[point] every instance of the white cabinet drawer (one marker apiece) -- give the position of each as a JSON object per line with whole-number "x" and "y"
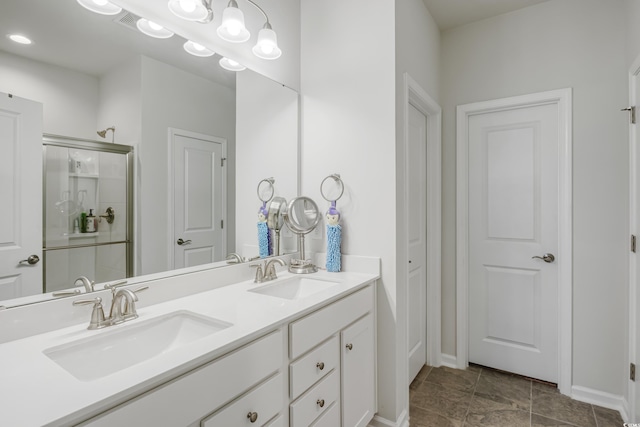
{"x": 208, "y": 388}
{"x": 264, "y": 402}
{"x": 307, "y": 370}
{"x": 278, "y": 422}
{"x": 331, "y": 417}
{"x": 309, "y": 331}
{"x": 316, "y": 401}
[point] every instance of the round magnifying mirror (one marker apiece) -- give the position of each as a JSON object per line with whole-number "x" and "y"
{"x": 275, "y": 219}
{"x": 302, "y": 217}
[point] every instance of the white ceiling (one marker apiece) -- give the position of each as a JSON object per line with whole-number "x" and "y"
{"x": 67, "y": 35}
{"x": 452, "y": 13}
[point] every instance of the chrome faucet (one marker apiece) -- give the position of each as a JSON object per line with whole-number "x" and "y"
{"x": 234, "y": 258}
{"x": 123, "y": 307}
{"x": 118, "y": 313}
{"x": 269, "y": 271}
{"x": 270, "y": 268}
{"x": 88, "y": 285}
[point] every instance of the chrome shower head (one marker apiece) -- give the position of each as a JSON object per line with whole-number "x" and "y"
{"x": 103, "y": 133}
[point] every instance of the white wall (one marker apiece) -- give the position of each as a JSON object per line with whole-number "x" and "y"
{"x": 172, "y": 98}
{"x": 558, "y": 44}
{"x": 632, "y": 13}
{"x": 348, "y": 127}
{"x": 64, "y": 93}
{"x": 267, "y": 146}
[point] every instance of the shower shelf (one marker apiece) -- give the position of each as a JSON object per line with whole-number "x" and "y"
{"x": 84, "y": 175}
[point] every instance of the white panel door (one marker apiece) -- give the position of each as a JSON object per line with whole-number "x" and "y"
{"x": 513, "y": 216}
{"x": 416, "y": 212}
{"x": 21, "y": 195}
{"x": 199, "y": 199}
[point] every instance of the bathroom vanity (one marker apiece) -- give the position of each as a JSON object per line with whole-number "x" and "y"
{"x": 295, "y": 351}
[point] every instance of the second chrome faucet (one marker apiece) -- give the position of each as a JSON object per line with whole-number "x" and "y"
{"x": 269, "y": 272}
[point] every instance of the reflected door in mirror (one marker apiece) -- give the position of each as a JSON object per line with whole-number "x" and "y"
{"x": 199, "y": 192}
{"x": 20, "y": 192}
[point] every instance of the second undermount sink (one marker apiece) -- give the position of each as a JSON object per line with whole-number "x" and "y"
{"x": 294, "y": 288}
{"x": 112, "y": 351}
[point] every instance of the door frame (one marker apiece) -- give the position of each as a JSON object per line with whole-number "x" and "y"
{"x": 416, "y": 96}
{"x": 634, "y": 210}
{"x": 562, "y": 98}
{"x": 172, "y": 133}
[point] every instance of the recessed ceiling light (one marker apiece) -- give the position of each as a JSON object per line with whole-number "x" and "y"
{"x": 231, "y": 65}
{"x": 102, "y": 7}
{"x": 20, "y": 39}
{"x": 152, "y": 29}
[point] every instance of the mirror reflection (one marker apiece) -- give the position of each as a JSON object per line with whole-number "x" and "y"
{"x": 198, "y": 135}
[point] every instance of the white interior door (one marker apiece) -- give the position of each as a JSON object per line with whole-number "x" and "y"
{"x": 416, "y": 212}
{"x": 21, "y": 195}
{"x": 513, "y": 216}
{"x": 199, "y": 198}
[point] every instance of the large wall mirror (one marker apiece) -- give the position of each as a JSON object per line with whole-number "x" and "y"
{"x": 93, "y": 72}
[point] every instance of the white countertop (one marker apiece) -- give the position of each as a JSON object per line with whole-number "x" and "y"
{"x": 36, "y": 391}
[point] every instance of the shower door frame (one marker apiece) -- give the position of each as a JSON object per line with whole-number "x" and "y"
{"x": 105, "y": 147}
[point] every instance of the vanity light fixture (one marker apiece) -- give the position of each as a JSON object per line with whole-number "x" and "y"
{"x": 192, "y": 10}
{"x": 232, "y": 28}
{"x": 196, "y": 49}
{"x": 20, "y": 39}
{"x": 231, "y": 65}
{"x": 102, "y": 7}
{"x": 267, "y": 45}
{"x": 152, "y": 29}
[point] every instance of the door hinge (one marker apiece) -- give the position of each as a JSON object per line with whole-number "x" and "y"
{"x": 222, "y": 223}
{"x": 632, "y": 371}
{"x": 222, "y": 161}
{"x": 633, "y": 243}
{"x": 632, "y": 115}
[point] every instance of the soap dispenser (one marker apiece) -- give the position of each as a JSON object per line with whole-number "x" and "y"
{"x": 91, "y": 222}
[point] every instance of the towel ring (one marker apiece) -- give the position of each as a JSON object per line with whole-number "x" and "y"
{"x": 337, "y": 179}
{"x": 270, "y": 182}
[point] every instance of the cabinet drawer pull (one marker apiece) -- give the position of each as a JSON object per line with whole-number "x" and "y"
{"x": 349, "y": 346}
{"x": 320, "y": 402}
{"x": 253, "y": 416}
{"x": 320, "y": 365}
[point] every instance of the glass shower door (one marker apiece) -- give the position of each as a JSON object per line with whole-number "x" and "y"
{"x": 87, "y": 211}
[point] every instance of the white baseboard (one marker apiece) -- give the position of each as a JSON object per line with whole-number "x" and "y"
{"x": 402, "y": 421}
{"x": 601, "y": 398}
{"x": 449, "y": 361}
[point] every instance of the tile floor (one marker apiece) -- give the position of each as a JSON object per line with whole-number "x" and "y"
{"x": 443, "y": 397}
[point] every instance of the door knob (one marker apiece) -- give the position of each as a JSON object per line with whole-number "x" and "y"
{"x": 183, "y": 242}
{"x": 546, "y": 258}
{"x": 33, "y": 259}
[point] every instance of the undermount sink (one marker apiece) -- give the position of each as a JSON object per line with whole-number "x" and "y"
{"x": 294, "y": 288}
{"x": 112, "y": 351}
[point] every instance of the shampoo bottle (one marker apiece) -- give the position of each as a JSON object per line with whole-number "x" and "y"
{"x": 91, "y": 222}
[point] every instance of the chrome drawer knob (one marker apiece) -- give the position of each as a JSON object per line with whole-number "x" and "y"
{"x": 320, "y": 365}
{"x": 320, "y": 403}
{"x": 253, "y": 416}
{"x": 349, "y": 346}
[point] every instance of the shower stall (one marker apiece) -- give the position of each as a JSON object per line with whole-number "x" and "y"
{"x": 88, "y": 211}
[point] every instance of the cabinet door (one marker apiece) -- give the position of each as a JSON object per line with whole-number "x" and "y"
{"x": 358, "y": 373}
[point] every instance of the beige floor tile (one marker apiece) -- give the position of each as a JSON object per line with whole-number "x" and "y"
{"x": 511, "y": 391}
{"x": 458, "y": 379}
{"x": 540, "y": 421}
{"x": 607, "y": 417}
{"x": 450, "y": 403}
{"x": 422, "y": 418}
{"x": 486, "y": 412}
{"x": 562, "y": 408}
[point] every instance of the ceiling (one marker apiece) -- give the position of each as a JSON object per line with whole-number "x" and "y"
{"x": 453, "y": 13}
{"x": 67, "y": 35}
